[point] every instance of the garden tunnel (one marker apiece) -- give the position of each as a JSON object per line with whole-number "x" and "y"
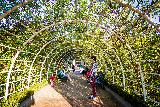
{"x": 35, "y": 35}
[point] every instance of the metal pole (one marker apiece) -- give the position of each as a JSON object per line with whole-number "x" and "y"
{"x": 143, "y": 83}
{"x": 141, "y": 73}
{"x": 9, "y": 72}
{"x": 122, "y": 71}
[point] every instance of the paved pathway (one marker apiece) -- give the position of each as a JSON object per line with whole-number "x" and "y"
{"x": 49, "y": 97}
{"x": 73, "y": 94}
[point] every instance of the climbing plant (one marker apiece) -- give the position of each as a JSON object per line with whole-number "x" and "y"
{"x": 37, "y": 34}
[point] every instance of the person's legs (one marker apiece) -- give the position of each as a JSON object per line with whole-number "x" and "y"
{"x": 69, "y": 78}
{"x": 93, "y": 85}
{"x": 52, "y": 84}
{"x": 94, "y": 89}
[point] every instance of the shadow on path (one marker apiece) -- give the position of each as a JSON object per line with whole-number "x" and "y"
{"x": 73, "y": 94}
{"x": 76, "y": 92}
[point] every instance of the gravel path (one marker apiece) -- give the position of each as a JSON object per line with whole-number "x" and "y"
{"x": 73, "y": 94}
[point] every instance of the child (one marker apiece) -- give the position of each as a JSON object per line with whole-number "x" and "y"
{"x": 53, "y": 79}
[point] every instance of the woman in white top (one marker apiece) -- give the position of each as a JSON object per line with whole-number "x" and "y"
{"x": 93, "y": 77}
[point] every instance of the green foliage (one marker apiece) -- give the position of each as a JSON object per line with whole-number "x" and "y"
{"x": 16, "y": 98}
{"x": 135, "y": 100}
{"x": 116, "y": 34}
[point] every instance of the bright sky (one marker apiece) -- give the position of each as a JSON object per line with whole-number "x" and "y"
{"x": 154, "y": 18}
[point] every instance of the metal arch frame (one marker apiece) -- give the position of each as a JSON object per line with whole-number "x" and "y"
{"x": 118, "y": 60}
{"x": 53, "y": 58}
{"x": 13, "y": 60}
{"x": 46, "y": 58}
{"x": 110, "y": 64}
{"x": 99, "y": 46}
{"x": 102, "y": 51}
{"x": 141, "y": 73}
{"x": 43, "y": 65}
{"x": 84, "y": 21}
{"x": 48, "y": 43}
{"x": 9, "y": 72}
{"x": 65, "y": 53}
{"x": 40, "y": 51}
{"x": 60, "y": 36}
{"x": 142, "y": 78}
{"x": 53, "y": 40}
{"x": 73, "y": 21}
{"x": 35, "y": 59}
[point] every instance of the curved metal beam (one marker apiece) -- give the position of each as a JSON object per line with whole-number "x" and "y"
{"x": 9, "y": 72}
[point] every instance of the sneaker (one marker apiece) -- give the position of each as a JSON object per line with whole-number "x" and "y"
{"x": 91, "y": 97}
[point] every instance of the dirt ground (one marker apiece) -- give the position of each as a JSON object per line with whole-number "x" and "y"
{"x": 73, "y": 94}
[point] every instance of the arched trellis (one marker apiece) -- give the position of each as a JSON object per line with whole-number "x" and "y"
{"x": 62, "y": 49}
{"x": 9, "y": 72}
{"x": 84, "y": 21}
{"x": 53, "y": 40}
{"x": 119, "y": 61}
{"x": 35, "y": 58}
{"x": 112, "y": 67}
{"x": 142, "y": 79}
{"x": 12, "y": 61}
{"x": 104, "y": 49}
{"x": 101, "y": 26}
{"x": 12, "y": 65}
{"x": 40, "y": 51}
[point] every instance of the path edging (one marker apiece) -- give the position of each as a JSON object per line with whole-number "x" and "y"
{"x": 119, "y": 98}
